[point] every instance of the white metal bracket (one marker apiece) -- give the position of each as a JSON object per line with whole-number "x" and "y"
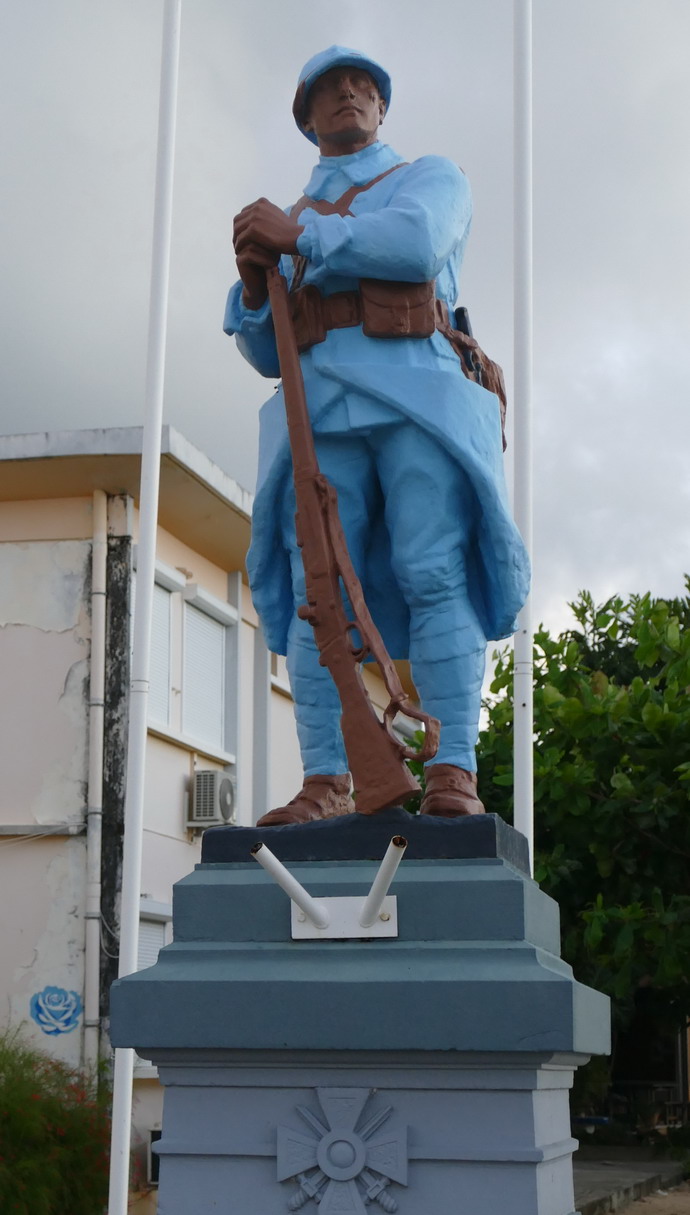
{"x": 344, "y": 913}
{"x": 340, "y": 917}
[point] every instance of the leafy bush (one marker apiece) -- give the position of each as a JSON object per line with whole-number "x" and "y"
{"x": 54, "y": 1135}
{"x": 612, "y": 802}
{"x": 612, "y": 792}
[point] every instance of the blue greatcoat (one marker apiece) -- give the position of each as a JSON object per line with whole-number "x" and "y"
{"x": 412, "y": 227}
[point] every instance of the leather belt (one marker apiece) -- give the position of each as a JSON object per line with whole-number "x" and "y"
{"x": 341, "y": 310}
{"x": 383, "y": 309}
{"x": 400, "y": 310}
{"x": 314, "y": 314}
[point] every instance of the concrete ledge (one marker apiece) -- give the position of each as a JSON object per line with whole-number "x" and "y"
{"x": 234, "y": 978}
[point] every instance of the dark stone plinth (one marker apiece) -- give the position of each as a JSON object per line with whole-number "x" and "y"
{"x": 359, "y": 837}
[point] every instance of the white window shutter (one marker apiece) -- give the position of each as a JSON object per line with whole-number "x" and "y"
{"x": 151, "y": 940}
{"x": 203, "y": 703}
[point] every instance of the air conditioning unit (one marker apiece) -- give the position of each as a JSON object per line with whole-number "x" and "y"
{"x": 213, "y": 799}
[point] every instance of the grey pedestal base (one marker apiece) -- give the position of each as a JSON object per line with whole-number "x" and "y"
{"x": 427, "y": 1074}
{"x": 260, "y": 1135}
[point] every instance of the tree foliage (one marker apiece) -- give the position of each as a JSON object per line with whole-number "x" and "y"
{"x": 612, "y": 791}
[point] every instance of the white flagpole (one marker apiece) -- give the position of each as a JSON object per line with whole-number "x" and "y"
{"x": 523, "y": 755}
{"x": 146, "y": 558}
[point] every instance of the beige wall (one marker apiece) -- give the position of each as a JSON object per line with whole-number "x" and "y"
{"x": 42, "y": 942}
{"x": 286, "y": 765}
{"x": 169, "y": 850}
{"x": 46, "y": 519}
{"x": 192, "y": 565}
{"x": 44, "y": 647}
{"x": 44, "y": 651}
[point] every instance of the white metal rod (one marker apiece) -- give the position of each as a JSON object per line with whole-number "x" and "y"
{"x": 92, "y": 937}
{"x": 523, "y": 735}
{"x": 381, "y": 883}
{"x": 148, "y": 515}
{"x": 316, "y": 912}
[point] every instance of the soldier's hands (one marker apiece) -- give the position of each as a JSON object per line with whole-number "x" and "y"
{"x": 265, "y": 225}
{"x": 252, "y": 265}
{"x": 254, "y": 290}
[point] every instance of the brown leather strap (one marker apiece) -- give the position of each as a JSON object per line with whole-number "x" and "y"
{"x": 341, "y": 206}
{"x": 475, "y": 363}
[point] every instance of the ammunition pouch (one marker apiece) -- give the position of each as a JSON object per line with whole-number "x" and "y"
{"x": 395, "y": 310}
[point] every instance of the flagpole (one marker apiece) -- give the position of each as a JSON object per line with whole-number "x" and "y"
{"x": 146, "y": 558}
{"x": 523, "y": 735}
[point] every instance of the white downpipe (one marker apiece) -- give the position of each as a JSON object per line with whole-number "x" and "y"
{"x": 146, "y": 556}
{"x": 94, "y": 817}
{"x": 523, "y": 757}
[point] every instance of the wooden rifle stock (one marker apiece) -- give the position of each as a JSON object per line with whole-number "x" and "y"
{"x": 376, "y": 757}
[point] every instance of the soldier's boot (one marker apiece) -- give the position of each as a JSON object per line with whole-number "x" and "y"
{"x": 450, "y": 792}
{"x": 319, "y": 797}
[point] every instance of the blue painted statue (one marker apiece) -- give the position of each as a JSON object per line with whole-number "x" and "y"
{"x": 412, "y": 444}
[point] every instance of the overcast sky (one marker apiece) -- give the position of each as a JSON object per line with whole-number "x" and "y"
{"x": 79, "y": 84}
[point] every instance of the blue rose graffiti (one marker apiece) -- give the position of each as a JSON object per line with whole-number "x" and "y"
{"x": 56, "y": 1011}
{"x": 345, "y": 1163}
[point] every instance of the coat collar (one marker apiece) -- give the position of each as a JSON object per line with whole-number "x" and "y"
{"x": 333, "y": 175}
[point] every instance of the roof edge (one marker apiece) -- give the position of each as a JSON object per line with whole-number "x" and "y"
{"x": 127, "y": 441}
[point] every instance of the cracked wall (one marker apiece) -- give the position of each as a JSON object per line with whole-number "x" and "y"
{"x": 44, "y": 652}
{"x": 44, "y": 660}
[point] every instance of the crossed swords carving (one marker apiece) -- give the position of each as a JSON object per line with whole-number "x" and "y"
{"x": 332, "y": 1169}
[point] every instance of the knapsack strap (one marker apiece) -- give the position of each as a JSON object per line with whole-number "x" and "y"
{"x": 341, "y": 206}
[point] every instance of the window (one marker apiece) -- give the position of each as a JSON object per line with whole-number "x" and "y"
{"x": 155, "y": 930}
{"x": 153, "y": 1159}
{"x": 152, "y": 938}
{"x": 203, "y": 678}
{"x": 193, "y": 691}
{"x": 167, "y": 587}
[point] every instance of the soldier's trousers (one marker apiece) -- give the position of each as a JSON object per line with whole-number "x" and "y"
{"x": 430, "y": 515}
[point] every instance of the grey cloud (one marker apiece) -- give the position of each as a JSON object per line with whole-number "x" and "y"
{"x": 79, "y": 80}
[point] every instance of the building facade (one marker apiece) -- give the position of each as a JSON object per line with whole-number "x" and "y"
{"x": 221, "y": 739}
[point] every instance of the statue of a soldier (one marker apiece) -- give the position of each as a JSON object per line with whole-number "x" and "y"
{"x": 403, "y": 430}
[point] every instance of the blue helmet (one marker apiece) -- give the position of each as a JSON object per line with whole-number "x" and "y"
{"x": 335, "y": 56}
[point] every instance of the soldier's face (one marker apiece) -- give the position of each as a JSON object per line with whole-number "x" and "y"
{"x": 345, "y": 110}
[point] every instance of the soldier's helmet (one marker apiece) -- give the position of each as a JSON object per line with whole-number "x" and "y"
{"x": 335, "y": 56}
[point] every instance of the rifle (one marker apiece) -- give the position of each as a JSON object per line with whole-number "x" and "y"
{"x": 376, "y": 757}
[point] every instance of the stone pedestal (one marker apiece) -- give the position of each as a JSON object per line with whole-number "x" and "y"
{"x": 427, "y": 1074}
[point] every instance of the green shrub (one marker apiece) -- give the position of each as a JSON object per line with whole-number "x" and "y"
{"x": 54, "y": 1135}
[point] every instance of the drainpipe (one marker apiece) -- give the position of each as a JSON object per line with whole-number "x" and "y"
{"x": 94, "y": 818}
